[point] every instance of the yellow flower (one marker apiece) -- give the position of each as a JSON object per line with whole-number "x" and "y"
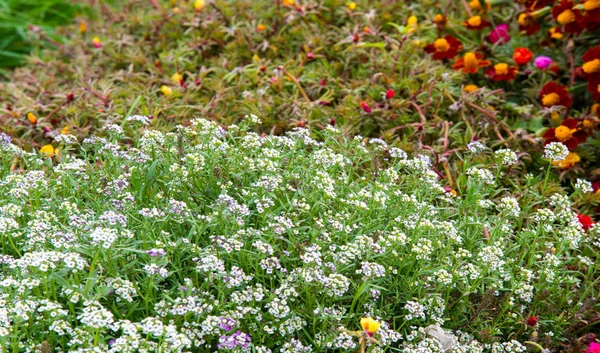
{"x": 49, "y": 150}
{"x": 351, "y": 6}
{"x": 441, "y": 45}
{"x": 554, "y": 34}
{"x": 289, "y": 2}
{"x": 369, "y": 325}
{"x": 501, "y": 69}
{"x": 177, "y": 78}
{"x": 260, "y": 27}
{"x": 476, "y": 5}
{"x": 563, "y": 133}
{"x": 167, "y": 91}
{"x": 550, "y": 99}
{"x": 571, "y": 159}
{"x": 199, "y": 5}
{"x": 412, "y": 23}
{"x": 32, "y": 118}
{"x": 591, "y": 66}
{"x": 565, "y": 17}
{"x": 591, "y": 5}
{"x": 82, "y": 27}
{"x": 65, "y": 130}
{"x": 471, "y": 88}
{"x": 474, "y": 21}
{"x": 439, "y": 19}
{"x": 255, "y": 57}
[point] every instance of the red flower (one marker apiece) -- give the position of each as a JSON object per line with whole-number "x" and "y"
{"x": 554, "y": 94}
{"x": 390, "y": 94}
{"x": 568, "y": 16}
{"x": 528, "y": 24}
{"x": 586, "y": 221}
{"x": 596, "y": 187}
{"x": 594, "y": 87}
{"x": 568, "y": 133}
{"x": 592, "y": 14}
{"x": 522, "y": 56}
{"x": 502, "y": 72}
{"x": 365, "y": 107}
{"x": 476, "y": 22}
{"x": 444, "y": 48}
{"x": 591, "y": 62}
{"x": 499, "y": 35}
{"x": 537, "y": 4}
{"x": 533, "y": 320}
{"x": 470, "y": 63}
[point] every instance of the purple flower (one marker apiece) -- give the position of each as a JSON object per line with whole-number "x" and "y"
{"x": 542, "y": 62}
{"x": 5, "y": 139}
{"x": 156, "y": 252}
{"x": 499, "y": 34}
{"x": 238, "y": 339}
{"x": 111, "y": 342}
{"x": 227, "y": 323}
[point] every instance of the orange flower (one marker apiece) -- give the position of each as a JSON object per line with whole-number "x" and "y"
{"x": 554, "y": 94}
{"x": 522, "y": 56}
{"x": 444, "y": 48}
{"x": 502, "y": 72}
{"x": 567, "y": 133}
{"x": 593, "y": 87}
{"x": 571, "y": 159}
{"x": 261, "y": 27}
{"x": 591, "y": 65}
{"x": 470, "y": 63}
{"x": 369, "y": 325}
{"x": 32, "y": 118}
{"x": 528, "y": 24}
{"x": 569, "y": 17}
{"x": 476, "y": 22}
{"x": 470, "y": 88}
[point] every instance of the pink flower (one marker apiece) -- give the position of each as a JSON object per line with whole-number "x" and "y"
{"x": 365, "y": 107}
{"x": 593, "y": 348}
{"x": 499, "y": 34}
{"x": 542, "y": 62}
{"x": 390, "y": 94}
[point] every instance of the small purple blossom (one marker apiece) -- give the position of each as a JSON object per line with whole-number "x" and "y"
{"x": 156, "y": 252}
{"x": 5, "y": 140}
{"x": 227, "y": 323}
{"x": 499, "y": 35}
{"x": 238, "y": 339}
{"x": 542, "y": 62}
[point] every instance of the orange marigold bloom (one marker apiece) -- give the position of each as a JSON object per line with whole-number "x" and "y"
{"x": 528, "y": 24}
{"x": 470, "y": 63}
{"x": 476, "y": 5}
{"x": 502, "y": 72}
{"x": 554, "y": 94}
{"x": 568, "y": 133}
{"x": 522, "y": 56}
{"x": 569, "y": 17}
{"x": 476, "y": 22}
{"x": 591, "y": 65}
{"x": 571, "y": 159}
{"x": 444, "y": 48}
{"x": 594, "y": 87}
{"x": 439, "y": 20}
{"x": 470, "y": 88}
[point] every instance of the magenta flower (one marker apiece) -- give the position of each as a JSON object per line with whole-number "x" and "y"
{"x": 542, "y": 62}
{"x": 499, "y": 34}
{"x": 593, "y": 348}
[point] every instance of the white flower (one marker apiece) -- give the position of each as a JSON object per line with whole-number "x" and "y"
{"x": 555, "y": 151}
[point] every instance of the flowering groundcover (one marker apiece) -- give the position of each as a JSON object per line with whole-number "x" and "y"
{"x": 206, "y": 239}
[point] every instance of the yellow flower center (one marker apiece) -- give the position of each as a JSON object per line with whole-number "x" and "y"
{"x": 470, "y": 88}
{"x": 438, "y": 18}
{"x": 563, "y": 133}
{"x": 550, "y": 99}
{"x": 589, "y": 123}
{"x": 289, "y": 2}
{"x": 591, "y": 5}
{"x": 501, "y": 69}
{"x": 591, "y": 66}
{"x": 523, "y": 19}
{"x": 565, "y": 17}
{"x": 598, "y": 89}
{"x": 441, "y": 45}
{"x": 595, "y": 107}
{"x": 352, "y": 5}
{"x": 471, "y": 61}
{"x": 199, "y": 5}
{"x": 474, "y": 21}
{"x": 476, "y": 5}
{"x": 412, "y": 21}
